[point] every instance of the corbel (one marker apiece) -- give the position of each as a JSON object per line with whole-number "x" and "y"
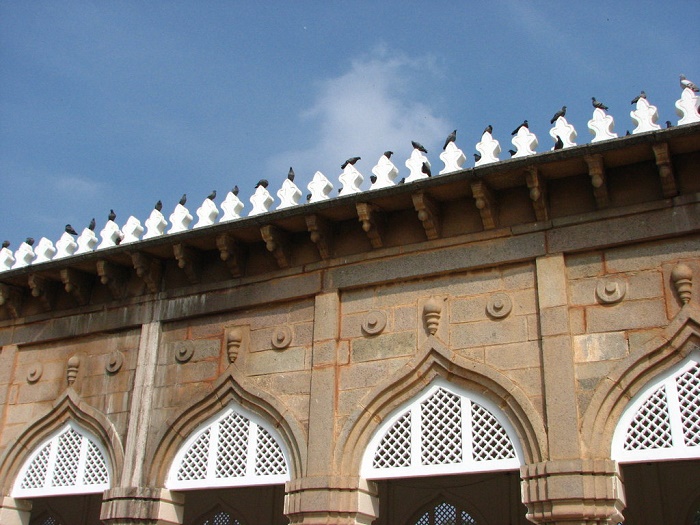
{"x": 321, "y": 235}
{"x": 277, "y": 243}
{"x": 11, "y": 298}
{"x": 149, "y": 269}
{"x": 231, "y": 253}
{"x": 43, "y": 289}
{"x": 596, "y": 170}
{"x": 663, "y": 163}
{"x": 428, "y": 213}
{"x": 190, "y": 261}
{"x": 538, "y": 193}
{"x": 372, "y": 220}
{"x": 114, "y": 277}
{"x": 78, "y": 284}
{"x": 485, "y": 203}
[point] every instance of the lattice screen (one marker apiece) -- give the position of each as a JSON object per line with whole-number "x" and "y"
{"x": 70, "y": 462}
{"x": 663, "y": 422}
{"x": 222, "y": 518}
{"x": 446, "y": 514}
{"x": 442, "y": 431}
{"x": 233, "y": 449}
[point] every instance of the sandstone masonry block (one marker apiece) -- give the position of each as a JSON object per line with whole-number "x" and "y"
{"x": 509, "y": 330}
{"x": 584, "y": 265}
{"x": 383, "y": 346}
{"x": 275, "y": 361}
{"x": 626, "y": 315}
{"x": 600, "y": 347}
{"x": 363, "y": 375}
{"x": 550, "y": 271}
{"x": 518, "y": 355}
{"x": 554, "y": 321}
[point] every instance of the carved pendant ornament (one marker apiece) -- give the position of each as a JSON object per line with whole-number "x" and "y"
{"x": 72, "y": 369}
{"x": 234, "y": 340}
{"x": 432, "y": 311}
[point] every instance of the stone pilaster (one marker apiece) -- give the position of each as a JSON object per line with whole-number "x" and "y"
{"x": 15, "y": 511}
{"x": 132, "y": 505}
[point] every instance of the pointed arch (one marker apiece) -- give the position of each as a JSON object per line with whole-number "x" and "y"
{"x": 228, "y": 390}
{"x": 69, "y": 408}
{"x": 434, "y": 360}
{"x": 444, "y": 509}
{"x": 219, "y": 516}
{"x": 631, "y": 375}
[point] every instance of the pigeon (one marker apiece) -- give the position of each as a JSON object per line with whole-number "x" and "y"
{"x": 524, "y": 124}
{"x": 263, "y": 183}
{"x": 92, "y": 224}
{"x": 111, "y": 215}
{"x": 235, "y": 190}
{"x": 373, "y": 178}
{"x": 351, "y": 161}
{"x": 558, "y": 114}
{"x": 290, "y": 175}
{"x": 559, "y": 144}
{"x": 628, "y": 133}
{"x": 158, "y": 206}
{"x": 418, "y": 146}
{"x": 450, "y": 138}
{"x": 598, "y": 105}
{"x": 636, "y": 99}
{"x": 488, "y": 129}
{"x": 5, "y": 244}
{"x": 685, "y": 83}
{"x": 512, "y": 152}
{"x": 388, "y": 154}
{"x": 477, "y": 157}
{"x": 403, "y": 180}
{"x": 71, "y": 230}
{"x": 668, "y": 124}
{"x": 308, "y": 197}
{"x": 30, "y": 241}
{"x": 426, "y": 169}
{"x": 183, "y": 199}
{"x": 212, "y": 195}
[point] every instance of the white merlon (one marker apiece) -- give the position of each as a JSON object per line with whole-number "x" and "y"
{"x": 644, "y": 117}
{"x": 601, "y": 126}
{"x": 110, "y": 235}
{"x": 320, "y": 187}
{"x": 86, "y": 241}
{"x": 525, "y": 142}
{"x": 564, "y": 131}
{"x": 132, "y": 230}
{"x": 489, "y": 149}
{"x": 453, "y": 157}
{"x": 415, "y": 165}
{"x": 65, "y": 246}
{"x": 207, "y": 213}
{"x": 155, "y": 224}
{"x": 23, "y": 256}
{"x": 261, "y": 201}
{"x": 351, "y": 180}
{"x": 180, "y": 219}
{"x": 44, "y": 251}
{"x": 232, "y": 207}
{"x": 7, "y": 259}
{"x": 386, "y": 173}
{"x": 687, "y": 107}
{"x": 289, "y": 195}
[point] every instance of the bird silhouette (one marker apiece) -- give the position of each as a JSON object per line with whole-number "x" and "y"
{"x": 477, "y": 157}
{"x": 636, "y": 99}
{"x": 71, "y": 230}
{"x": 388, "y": 154}
{"x": 183, "y": 199}
{"x": 685, "y": 83}
{"x": 5, "y": 244}
{"x": 158, "y": 206}
{"x": 450, "y": 138}
{"x": 668, "y": 124}
{"x": 523, "y": 125}
{"x": 425, "y": 168}
{"x": 235, "y": 190}
{"x": 403, "y": 180}
{"x": 29, "y": 241}
{"x": 373, "y": 178}
{"x": 512, "y": 152}
{"x": 418, "y": 146}
{"x": 111, "y": 215}
{"x": 558, "y": 114}
{"x": 290, "y": 175}
{"x": 488, "y": 129}
{"x": 598, "y": 104}
{"x": 559, "y": 144}
{"x": 263, "y": 183}
{"x": 91, "y": 226}
{"x": 351, "y": 161}
{"x": 212, "y": 195}
{"x": 308, "y": 197}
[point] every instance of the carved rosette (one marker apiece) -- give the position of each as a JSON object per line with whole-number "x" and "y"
{"x": 114, "y": 363}
{"x": 499, "y": 305}
{"x": 432, "y": 311}
{"x": 234, "y": 339}
{"x": 72, "y": 369}
{"x": 282, "y": 337}
{"x": 610, "y": 292}
{"x": 34, "y": 372}
{"x": 184, "y": 350}
{"x": 374, "y": 322}
{"x": 682, "y": 277}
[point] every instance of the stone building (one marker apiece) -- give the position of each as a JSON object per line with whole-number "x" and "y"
{"x": 513, "y": 343}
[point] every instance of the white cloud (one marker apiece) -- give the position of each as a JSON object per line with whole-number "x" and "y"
{"x": 365, "y": 111}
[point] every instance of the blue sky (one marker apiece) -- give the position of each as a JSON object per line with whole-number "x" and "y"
{"x": 119, "y": 104}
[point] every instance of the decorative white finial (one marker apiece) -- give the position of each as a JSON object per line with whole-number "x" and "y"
{"x": 110, "y": 235}
{"x": 7, "y": 259}
{"x": 44, "y": 251}
{"x": 320, "y": 187}
{"x": 351, "y": 180}
{"x": 180, "y": 219}
{"x": 601, "y": 126}
{"x": 65, "y": 246}
{"x": 261, "y": 200}
{"x": 525, "y": 142}
{"x": 564, "y": 131}
{"x": 132, "y": 230}
{"x": 644, "y": 117}
{"x": 24, "y": 255}
{"x": 453, "y": 157}
{"x": 289, "y": 195}
{"x": 415, "y": 165}
{"x": 155, "y": 224}
{"x": 687, "y": 107}
{"x": 231, "y": 206}
{"x": 489, "y": 149}
{"x": 207, "y": 213}
{"x": 385, "y": 171}
{"x": 86, "y": 241}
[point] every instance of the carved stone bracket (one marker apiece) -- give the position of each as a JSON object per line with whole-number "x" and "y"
{"x": 149, "y": 269}
{"x": 372, "y": 220}
{"x": 114, "y": 276}
{"x": 189, "y": 260}
{"x": 663, "y": 163}
{"x": 77, "y": 283}
{"x": 428, "y": 213}
{"x": 42, "y": 289}
{"x": 538, "y": 193}
{"x": 485, "y": 203}
{"x": 11, "y": 298}
{"x": 231, "y": 253}
{"x": 596, "y": 170}
{"x": 321, "y": 235}
{"x": 277, "y": 243}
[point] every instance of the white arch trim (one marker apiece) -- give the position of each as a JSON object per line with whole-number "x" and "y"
{"x": 663, "y": 420}
{"x": 443, "y": 430}
{"x": 233, "y": 448}
{"x": 69, "y": 461}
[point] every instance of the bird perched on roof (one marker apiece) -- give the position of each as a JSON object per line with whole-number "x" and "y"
{"x": 628, "y": 133}
{"x": 71, "y": 230}
{"x": 351, "y": 161}
{"x": 425, "y": 168}
{"x": 477, "y": 157}
{"x": 388, "y": 154}
{"x": 418, "y": 146}
{"x": 636, "y": 99}
{"x": 558, "y": 114}
{"x": 235, "y": 190}
{"x": 403, "y": 180}
{"x": 263, "y": 183}
{"x": 512, "y": 152}
{"x": 290, "y": 175}
{"x": 598, "y": 105}
{"x": 685, "y": 83}
{"x": 92, "y": 224}
{"x": 158, "y": 206}
{"x": 212, "y": 195}
{"x": 450, "y": 138}
{"x": 183, "y": 199}
{"x": 524, "y": 124}
{"x": 559, "y": 144}
{"x": 111, "y": 215}
{"x": 668, "y": 124}
{"x": 373, "y": 178}
{"x": 488, "y": 129}
{"x": 308, "y": 197}
{"x": 5, "y": 244}
{"x": 29, "y": 241}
